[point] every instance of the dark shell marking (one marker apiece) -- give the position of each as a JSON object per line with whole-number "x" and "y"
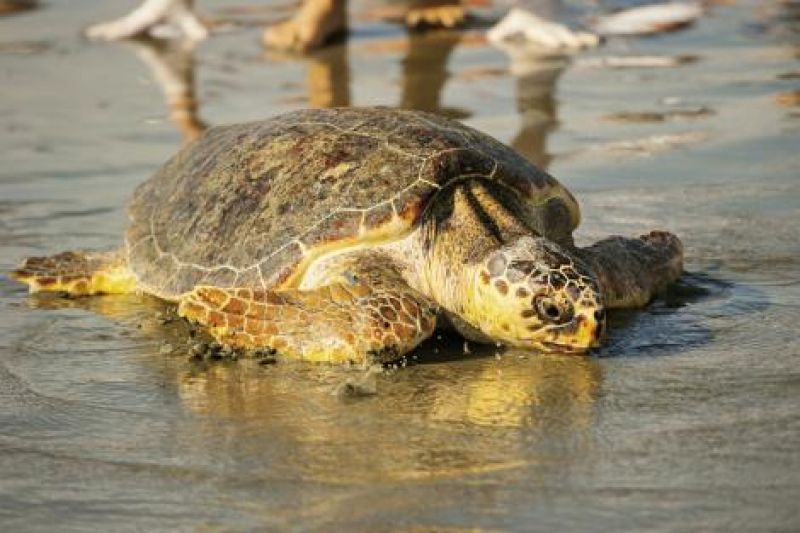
{"x": 244, "y": 204}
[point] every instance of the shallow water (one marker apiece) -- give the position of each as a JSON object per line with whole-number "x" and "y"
{"x": 687, "y": 419}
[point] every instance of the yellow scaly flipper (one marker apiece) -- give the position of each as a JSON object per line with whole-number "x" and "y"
{"x": 77, "y": 273}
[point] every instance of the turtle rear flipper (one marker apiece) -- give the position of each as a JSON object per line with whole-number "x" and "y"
{"x": 77, "y": 273}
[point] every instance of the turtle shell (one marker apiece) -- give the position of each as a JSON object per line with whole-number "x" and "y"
{"x": 251, "y": 205}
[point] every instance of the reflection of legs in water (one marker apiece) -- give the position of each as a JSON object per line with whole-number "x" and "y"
{"x": 536, "y": 76}
{"x": 149, "y": 14}
{"x": 172, "y": 66}
{"x": 536, "y": 104}
{"x": 425, "y": 69}
{"x": 424, "y": 74}
{"x": 329, "y": 78}
{"x": 318, "y": 21}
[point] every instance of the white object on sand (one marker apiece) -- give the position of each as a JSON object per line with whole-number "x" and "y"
{"x": 152, "y": 15}
{"x": 653, "y": 18}
{"x": 524, "y": 26}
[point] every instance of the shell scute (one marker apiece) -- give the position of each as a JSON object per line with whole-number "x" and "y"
{"x": 378, "y": 215}
{"x": 338, "y": 226}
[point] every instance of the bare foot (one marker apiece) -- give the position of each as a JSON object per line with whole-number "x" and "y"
{"x": 437, "y": 13}
{"x": 315, "y": 23}
{"x": 329, "y": 78}
{"x": 150, "y": 14}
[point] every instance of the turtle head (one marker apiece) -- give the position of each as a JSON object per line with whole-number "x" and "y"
{"x": 532, "y": 293}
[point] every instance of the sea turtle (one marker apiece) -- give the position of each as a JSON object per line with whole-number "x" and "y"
{"x": 347, "y": 234}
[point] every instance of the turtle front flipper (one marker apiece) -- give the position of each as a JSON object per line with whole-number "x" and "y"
{"x": 77, "y": 273}
{"x": 338, "y": 323}
{"x": 632, "y": 272}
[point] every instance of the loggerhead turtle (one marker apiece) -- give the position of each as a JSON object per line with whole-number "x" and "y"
{"x": 346, "y": 234}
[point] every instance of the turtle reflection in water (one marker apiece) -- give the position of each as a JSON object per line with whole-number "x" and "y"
{"x": 347, "y": 234}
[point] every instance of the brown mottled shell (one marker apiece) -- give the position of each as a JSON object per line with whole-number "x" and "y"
{"x": 246, "y": 205}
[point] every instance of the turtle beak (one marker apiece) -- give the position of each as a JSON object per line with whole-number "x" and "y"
{"x": 591, "y": 327}
{"x": 584, "y": 332}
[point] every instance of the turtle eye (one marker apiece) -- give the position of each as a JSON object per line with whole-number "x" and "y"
{"x": 549, "y": 310}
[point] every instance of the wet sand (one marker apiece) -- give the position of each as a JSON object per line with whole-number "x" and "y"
{"x": 686, "y": 420}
